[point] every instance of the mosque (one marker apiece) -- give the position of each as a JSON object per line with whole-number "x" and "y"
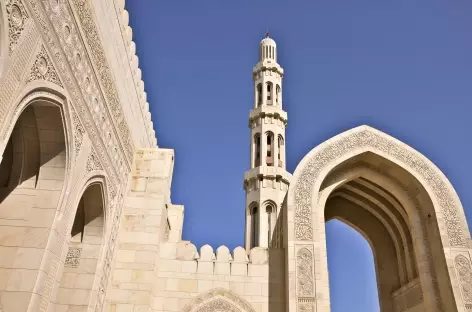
{"x": 86, "y": 217}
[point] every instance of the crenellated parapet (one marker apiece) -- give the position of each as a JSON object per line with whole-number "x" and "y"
{"x": 127, "y": 34}
{"x": 219, "y": 262}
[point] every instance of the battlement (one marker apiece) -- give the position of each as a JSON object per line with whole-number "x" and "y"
{"x": 183, "y": 257}
{"x": 127, "y": 34}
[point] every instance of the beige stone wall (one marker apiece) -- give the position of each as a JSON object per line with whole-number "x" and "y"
{"x": 72, "y": 113}
{"x": 186, "y": 275}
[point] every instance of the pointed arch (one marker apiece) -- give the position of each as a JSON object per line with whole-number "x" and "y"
{"x": 218, "y": 299}
{"x": 396, "y": 176}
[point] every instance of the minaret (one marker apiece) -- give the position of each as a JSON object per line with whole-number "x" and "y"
{"x": 266, "y": 182}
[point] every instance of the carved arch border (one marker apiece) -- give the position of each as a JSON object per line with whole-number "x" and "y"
{"x": 218, "y": 298}
{"x": 314, "y": 167}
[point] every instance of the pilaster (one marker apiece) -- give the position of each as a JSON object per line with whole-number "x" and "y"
{"x": 142, "y": 229}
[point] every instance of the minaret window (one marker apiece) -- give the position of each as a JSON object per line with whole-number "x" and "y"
{"x": 269, "y": 93}
{"x": 270, "y": 149}
{"x": 271, "y": 220}
{"x": 280, "y": 143}
{"x": 259, "y": 94}
{"x": 257, "y": 143}
{"x": 277, "y": 95}
{"x": 254, "y": 226}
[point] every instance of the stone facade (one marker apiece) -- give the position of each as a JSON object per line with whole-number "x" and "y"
{"x": 86, "y": 218}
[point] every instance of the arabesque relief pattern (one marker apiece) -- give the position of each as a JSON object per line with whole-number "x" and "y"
{"x": 464, "y": 272}
{"x": 305, "y": 184}
{"x": 17, "y": 17}
{"x": 43, "y": 69}
{"x": 305, "y": 272}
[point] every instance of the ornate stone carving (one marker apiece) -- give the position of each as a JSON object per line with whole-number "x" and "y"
{"x": 341, "y": 146}
{"x": 98, "y": 54}
{"x": 72, "y": 258}
{"x": 78, "y": 133}
{"x": 93, "y": 163}
{"x": 464, "y": 272}
{"x": 43, "y": 69}
{"x": 44, "y": 17}
{"x": 17, "y": 16}
{"x": 218, "y": 300}
{"x": 305, "y": 273}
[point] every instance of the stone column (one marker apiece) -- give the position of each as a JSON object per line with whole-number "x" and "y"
{"x": 142, "y": 229}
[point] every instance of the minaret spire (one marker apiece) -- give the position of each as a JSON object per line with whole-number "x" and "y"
{"x": 266, "y": 182}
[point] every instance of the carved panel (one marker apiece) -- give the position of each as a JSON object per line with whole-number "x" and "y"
{"x": 464, "y": 272}
{"x": 43, "y": 69}
{"x": 305, "y": 273}
{"x": 72, "y": 258}
{"x": 17, "y": 17}
{"x": 78, "y": 133}
{"x": 368, "y": 138}
{"x": 92, "y": 163}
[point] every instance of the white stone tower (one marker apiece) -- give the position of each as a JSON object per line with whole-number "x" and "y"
{"x": 266, "y": 182}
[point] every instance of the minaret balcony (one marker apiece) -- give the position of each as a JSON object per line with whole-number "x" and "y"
{"x": 268, "y": 65}
{"x": 270, "y": 111}
{"x": 272, "y": 172}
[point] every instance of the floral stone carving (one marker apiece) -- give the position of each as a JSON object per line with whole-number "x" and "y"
{"x": 366, "y": 137}
{"x": 464, "y": 272}
{"x": 17, "y": 17}
{"x": 305, "y": 272}
{"x": 43, "y": 69}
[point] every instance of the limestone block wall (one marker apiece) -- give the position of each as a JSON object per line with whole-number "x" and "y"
{"x": 142, "y": 228}
{"x": 186, "y": 278}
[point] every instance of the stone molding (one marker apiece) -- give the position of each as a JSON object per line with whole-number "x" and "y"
{"x": 216, "y": 300}
{"x": 325, "y": 155}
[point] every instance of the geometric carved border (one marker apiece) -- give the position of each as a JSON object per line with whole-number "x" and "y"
{"x": 366, "y": 136}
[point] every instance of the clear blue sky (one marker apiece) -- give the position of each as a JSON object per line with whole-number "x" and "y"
{"x": 404, "y": 67}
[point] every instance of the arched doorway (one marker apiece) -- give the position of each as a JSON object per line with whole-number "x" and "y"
{"x": 403, "y": 204}
{"x": 352, "y": 276}
{"x": 32, "y": 175}
{"x": 78, "y": 285}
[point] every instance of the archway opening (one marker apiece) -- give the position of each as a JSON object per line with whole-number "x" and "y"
{"x": 393, "y": 211}
{"x": 32, "y": 171}
{"x": 352, "y": 277}
{"x": 32, "y": 174}
{"x": 77, "y": 289}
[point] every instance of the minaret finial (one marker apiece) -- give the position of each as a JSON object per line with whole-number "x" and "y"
{"x": 267, "y": 33}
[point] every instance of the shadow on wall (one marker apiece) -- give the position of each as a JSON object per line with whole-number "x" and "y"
{"x": 34, "y": 158}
